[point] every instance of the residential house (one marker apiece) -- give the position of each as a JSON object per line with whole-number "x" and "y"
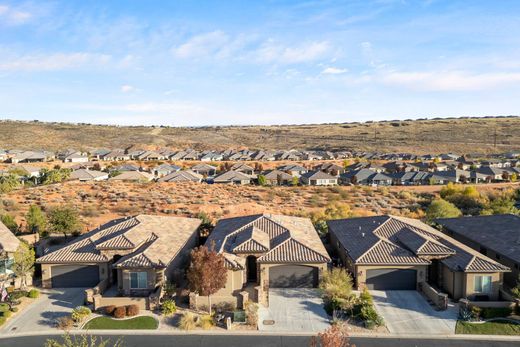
{"x": 32, "y": 171}
{"x": 330, "y": 168}
{"x": 116, "y": 155}
{"x": 380, "y": 179}
{"x": 232, "y": 177}
{"x": 72, "y": 156}
{"x": 293, "y": 169}
{"x": 126, "y": 167}
{"x": 8, "y": 246}
{"x": 182, "y": 176}
{"x": 136, "y": 176}
{"x": 318, "y": 178}
{"x": 27, "y": 157}
{"x": 149, "y": 156}
{"x": 278, "y": 178}
{"x": 244, "y": 168}
{"x": 493, "y": 173}
{"x": 267, "y": 251}
{"x": 398, "y": 253}
{"x": 85, "y": 175}
{"x": 99, "y": 154}
{"x": 128, "y": 258}
{"x": 360, "y": 176}
{"x": 165, "y": 169}
{"x": 497, "y": 237}
{"x": 212, "y": 156}
{"x": 410, "y": 178}
{"x": 204, "y": 170}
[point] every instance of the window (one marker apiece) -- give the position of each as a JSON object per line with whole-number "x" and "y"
{"x": 483, "y": 284}
{"x": 138, "y": 280}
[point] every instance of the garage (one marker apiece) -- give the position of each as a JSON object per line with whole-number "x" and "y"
{"x": 391, "y": 279}
{"x": 293, "y": 276}
{"x": 68, "y": 276}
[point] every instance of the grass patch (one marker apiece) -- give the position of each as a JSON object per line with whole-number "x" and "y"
{"x": 106, "y": 323}
{"x": 488, "y": 328}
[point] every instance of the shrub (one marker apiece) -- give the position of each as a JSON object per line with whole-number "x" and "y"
{"x": 168, "y": 307}
{"x": 109, "y": 310}
{"x": 79, "y": 314}
{"x": 14, "y": 309}
{"x": 366, "y": 298}
{"x": 188, "y": 321}
{"x": 4, "y": 307}
{"x": 225, "y": 306}
{"x": 251, "y": 310}
{"x": 132, "y": 310}
{"x": 6, "y": 314}
{"x": 2, "y": 320}
{"x": 370, "y": 316}
{"x": 33, "y": 293}
{"x": 65, "y": 323}
{"x": 18, "y": 294}
{"x": 206, "y": 322}
{"x": 476, "y": 312}
{"x": 494, "y": 312}
{"x": 120, "y": 312}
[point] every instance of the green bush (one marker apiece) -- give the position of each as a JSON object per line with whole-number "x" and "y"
{"x": 168, "y": 307}
{"x": 6, "y": 314}
{"x": 18, "y": 294}
{"x": 4, "y": 307}
{"x": 370, "y": 317}
{"x": 33, "y": 294}
{"x": 79, "y": 314}
{"x": 14, "y": 309}
{"x": 366, "y": 298}
{"x": 2, "y": 320}
{"x": 494, "y": 312}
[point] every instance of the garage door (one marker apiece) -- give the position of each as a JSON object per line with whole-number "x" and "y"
{"x": 391, "y": 279}
{"x": 66, "y": 276}
{"x": 293, "y": 276}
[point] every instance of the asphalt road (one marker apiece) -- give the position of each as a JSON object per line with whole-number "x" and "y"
{"x": 260, "y": 341}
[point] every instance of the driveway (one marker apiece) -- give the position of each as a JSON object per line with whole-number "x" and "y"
{"x": 298, "y": 309}
{"x": 408, "y": 312}
{"x": 42, "y": 314}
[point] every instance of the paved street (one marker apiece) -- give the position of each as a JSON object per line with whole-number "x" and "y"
{"x": 298, "y": 309}
{"x": 408, "y": 312}
{"x": 268, "y": 341}
{"x": 41, "y": 315}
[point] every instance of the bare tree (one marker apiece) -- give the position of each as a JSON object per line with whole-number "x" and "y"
{"x": 207, "y": 272}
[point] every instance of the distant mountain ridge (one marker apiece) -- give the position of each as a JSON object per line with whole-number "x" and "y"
{"x": 460, "y": 135}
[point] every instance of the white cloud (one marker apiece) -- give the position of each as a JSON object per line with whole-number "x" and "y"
{"x": 449, "y": 80}
{"x": 272, "y": 52}
{"x": 333, "y": 71}
{"x": 53, "y": 62}
{"x": 13, "y": 16}
{"x": 127, "y": 88}
{"x": 202, "y": 45}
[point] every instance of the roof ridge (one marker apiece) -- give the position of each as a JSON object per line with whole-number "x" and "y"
{"x": 470, "y": 262}
{"x": 368, "y": 250}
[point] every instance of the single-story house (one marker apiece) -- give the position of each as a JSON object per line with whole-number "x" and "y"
{"x": 359, "y": 176}
{"x": 165, "y": 169}
{"x": 277, "y": 177}
{"x": 398, "y": 253}
{"x": 330, "y": 168}
{"x": 8, "y": 246}
{"x": 27, "y": 157}
{"x": 139, "y": 176}
{"x": 182, "y": 176}
{"x": 116, "y": 155}
{"x": 244, "y": 168}
{"x": 84, "y": 175}
{"x": 267, "y": 251}
{"x": 293, "y": 169}
{"x": 497, "y": 237}
{"x": 74, "y": 157}
{"x": 130, "y": 257}
{"x": 380, "y": 179}
{"x": 318, "y": 178}
{"x": 232, "y": 177}
{"x": 32, "y": 171}
{"x": 410, "y": 178}
{"x": 204, "y": 170}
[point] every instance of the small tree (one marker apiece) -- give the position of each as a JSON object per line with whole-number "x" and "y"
{"x": 36, "y": 220}
{"x": 262, "y": 180}
{"x": 334, "y": 336}
{"x": 441, "y": 208}
{"x": 207, "y": 272}
{"x": 23, "y": 265}
{"x": 9, "y": 222}
{"x": 65, "y": 220}
{"x": 295, "y": 181}
{"x": 336, "y": 289}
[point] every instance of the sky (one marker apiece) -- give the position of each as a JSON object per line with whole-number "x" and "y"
{"x": 195, "y": 63}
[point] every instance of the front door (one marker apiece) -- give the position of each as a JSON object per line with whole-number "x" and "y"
{"x": 251, "y": 269}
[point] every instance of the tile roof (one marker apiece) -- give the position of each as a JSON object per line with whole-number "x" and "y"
{"x": 8, "y": 242}
{"x": 182, "y": 176}
{"x": 155, "y": 241}
{"x": 132, "y": 176}
{"x": 231, "y": 176}
{"x": 318, "y": 175}
{"x": 280, "y": 239}
{"x": 392, "y": 240}
{"x": 83, "y": 174}
{"x": 499, "y": 233}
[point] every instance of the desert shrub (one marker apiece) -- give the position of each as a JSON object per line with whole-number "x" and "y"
{"x": 18, "y": 294}
{"x": 370, "y": 317}
{"x": 14, "y": 309}
{"x": 65, "y": 323}
{"x": 226, "y": 306}
{"x": 206, "y": 322}
{"x": 2, "y": 320}
{"x": 6, "y": 314}
{"x": 132, "y": 310}
{"x": 120, "y": 312}
{"x": 188, "y": 321}
{"x": 365, "y": 297}
{"x": 33, "y": 293}
{"x": 4, "y": 307}
{"x": 79, "y": 314}
{"x": 168, "y": 307}
{"x": 251, "y": 310}
{"x": 109, "y": 310}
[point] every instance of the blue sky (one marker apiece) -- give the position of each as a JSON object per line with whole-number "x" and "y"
{"x": 257, "y": 62}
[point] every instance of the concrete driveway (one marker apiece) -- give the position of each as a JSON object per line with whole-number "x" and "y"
{"x": 42, "y": 314}
{"x": 295, "y": 310}
{"x": 407, "y": 312}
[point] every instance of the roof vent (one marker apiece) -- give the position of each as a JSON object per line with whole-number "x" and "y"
{"x": 362, "y": 234}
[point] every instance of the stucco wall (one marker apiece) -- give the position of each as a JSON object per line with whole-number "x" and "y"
{"x": 469, "y": 281}
{"x": 125, "y": 276}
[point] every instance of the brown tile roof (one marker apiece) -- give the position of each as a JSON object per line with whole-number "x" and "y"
{"x": 155, "y": 241}
{"x": 385, "y": 240}
{"x": 132, "y": 176}
{"x": 182, "y": 176}
{"x": 8, "y": 242}
{"x": 286, "y": 239}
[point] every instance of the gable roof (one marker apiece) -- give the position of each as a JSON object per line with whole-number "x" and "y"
{"x": 155, "y": 241}
{"x": 83, "y": 174}
{"x": 392, "y": 240}
{"x": 318, "y": 175}
{"x": 276, "y": 238}
{"x": 133, "y": 176}
{"x": 230, "y": 176}
{"x": 499, "y": 233}
{"x": 8, "y": 242}
{"x": 182, "y": 176}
